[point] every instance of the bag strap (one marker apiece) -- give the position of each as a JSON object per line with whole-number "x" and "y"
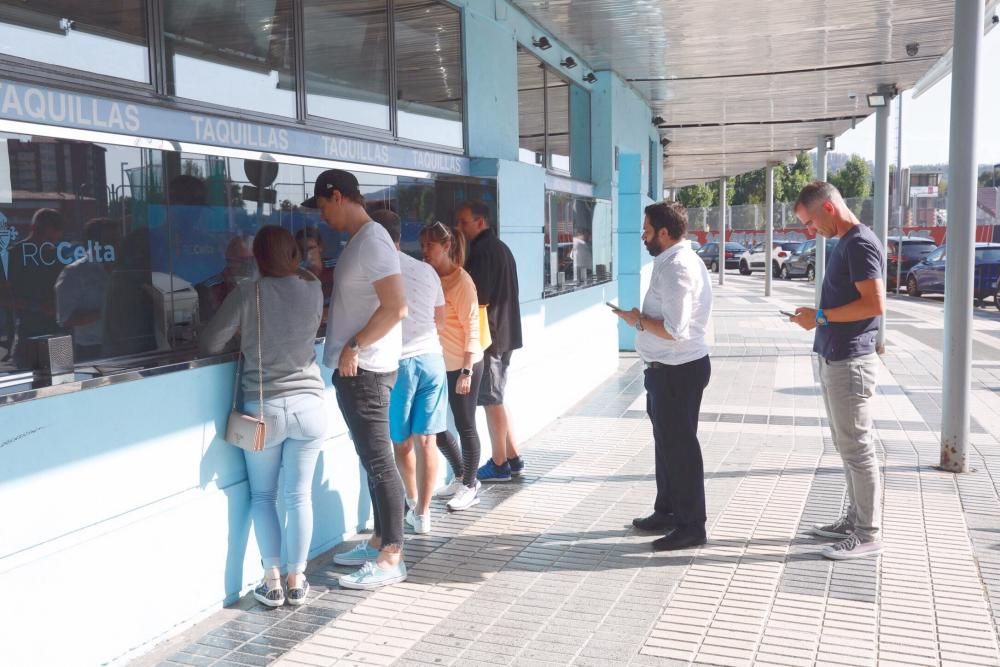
{"x": 260, "y": 358}
{"x": 236, "y": 379}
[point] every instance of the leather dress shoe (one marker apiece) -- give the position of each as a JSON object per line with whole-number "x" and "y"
{"x": 655, "y": 521}
{"x": 680, "y": 538}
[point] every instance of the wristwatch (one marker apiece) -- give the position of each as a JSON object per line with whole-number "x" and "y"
{"x": 354, "y": 345}
{"x": 821, "y": 318}
{"x": 638, "y": 324}
{"x": 466, "y": 372}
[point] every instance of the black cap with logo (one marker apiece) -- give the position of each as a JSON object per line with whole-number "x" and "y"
{"x": 342, "y": 181}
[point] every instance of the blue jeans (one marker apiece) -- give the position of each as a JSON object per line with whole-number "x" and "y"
{"x": 296, "y": 430}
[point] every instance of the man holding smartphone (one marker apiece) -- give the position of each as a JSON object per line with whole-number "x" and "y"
{"x": 851, "y": 305}
{"x": 670, "y": 338}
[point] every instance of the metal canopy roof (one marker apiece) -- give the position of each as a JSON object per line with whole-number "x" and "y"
{"x": 740, "y": 84}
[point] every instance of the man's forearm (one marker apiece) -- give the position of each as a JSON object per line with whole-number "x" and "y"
{"x": 860, "y": 309}
{"x": 655, "y": 327}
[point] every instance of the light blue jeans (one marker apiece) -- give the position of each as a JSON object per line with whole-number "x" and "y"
{"x": 296, "y": 430}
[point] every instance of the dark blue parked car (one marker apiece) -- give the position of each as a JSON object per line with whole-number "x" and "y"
{"x": 927, "y": 277}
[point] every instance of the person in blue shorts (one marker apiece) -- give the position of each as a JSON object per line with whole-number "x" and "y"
{"x": 418, "y": 404}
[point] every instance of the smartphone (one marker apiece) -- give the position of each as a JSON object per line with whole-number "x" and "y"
{"x": 786, "y": 313}
{"x": 611, "y": 305}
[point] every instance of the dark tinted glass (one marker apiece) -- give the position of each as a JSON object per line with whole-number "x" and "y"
{"x": 236, "y": 53}
{"x": 988, "y": 255}
{"x": 917, "y": 250}
{"x": 735, "y": 246}
{"x": 347, "y": 61}
{"x": 100, "y": 37}
{"x": 429, "y": 72}
{"x": 792, "y": 246}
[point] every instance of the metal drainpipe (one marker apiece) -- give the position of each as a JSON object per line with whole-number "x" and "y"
{"x": 958, "y": 281}
{"x": 769, "y": 237}
{"x": 820, "y": 262}
{"x": 722, "y": 231}
{"x": 880, "y": 214}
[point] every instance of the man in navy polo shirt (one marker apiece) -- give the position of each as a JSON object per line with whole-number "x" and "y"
{"x": 851, "y": 306}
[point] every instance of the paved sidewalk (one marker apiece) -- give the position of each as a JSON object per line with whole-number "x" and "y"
{"x": 548, "y": 571}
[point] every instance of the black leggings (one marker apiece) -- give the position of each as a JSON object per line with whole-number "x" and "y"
{"x": 464, "y": 463}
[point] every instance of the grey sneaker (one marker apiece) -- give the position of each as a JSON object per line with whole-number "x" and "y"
{"x": 851, "y": 548}
{"x": 840, "y": 529}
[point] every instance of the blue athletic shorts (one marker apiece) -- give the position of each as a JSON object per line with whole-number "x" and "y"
{"x": 418, "y": 404}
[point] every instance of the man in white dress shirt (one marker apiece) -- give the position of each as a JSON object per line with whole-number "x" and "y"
{"x": 671, "y": 340}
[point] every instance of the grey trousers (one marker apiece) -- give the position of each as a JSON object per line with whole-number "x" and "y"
{"x": 848, "y": 387}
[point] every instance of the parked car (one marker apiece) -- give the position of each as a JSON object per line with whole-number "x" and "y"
{"x": 755, "y": 258}
{"x": 927, "y": 276}
{"x": 709, "y": 254}
{"x": 914, "y": 250}
{"x": 802, "y": 262}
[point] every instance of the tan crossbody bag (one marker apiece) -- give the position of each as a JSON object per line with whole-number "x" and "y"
{"x": 245, "y": 431}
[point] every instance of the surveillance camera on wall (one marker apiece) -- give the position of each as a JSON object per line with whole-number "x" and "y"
{"x": 912, "y": 49}
{"x": 996, "y": 19}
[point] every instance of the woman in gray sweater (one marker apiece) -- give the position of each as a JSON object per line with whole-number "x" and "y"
{"x": 291, "y": 304}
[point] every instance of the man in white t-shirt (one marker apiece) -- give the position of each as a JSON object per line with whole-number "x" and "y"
{"x": 418, "y": 406}
{"x": 363, "y": 343}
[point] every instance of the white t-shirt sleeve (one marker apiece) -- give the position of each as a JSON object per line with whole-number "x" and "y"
{"x": 439, "y": 299}
{"x": 380, "y": 259}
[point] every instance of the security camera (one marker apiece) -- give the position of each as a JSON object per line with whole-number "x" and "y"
{"x": 996, "y": 19}
{"x": 912, "y": 48}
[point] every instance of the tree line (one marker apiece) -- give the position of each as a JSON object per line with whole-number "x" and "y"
{"x": 854, "y": 179}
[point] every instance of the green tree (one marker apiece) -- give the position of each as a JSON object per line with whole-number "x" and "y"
{"x": 854, "y": 180}
{"x": 696, "y": 196}
{"x": 749, "y": 188}
{"x": 789, "y": 180}
{"x": 730, "y": 190}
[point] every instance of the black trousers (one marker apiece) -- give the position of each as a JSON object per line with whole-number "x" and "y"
{"x": 364, "y": 402}
{"x": 464, "y": 463}
{"x": 673, "y": 401}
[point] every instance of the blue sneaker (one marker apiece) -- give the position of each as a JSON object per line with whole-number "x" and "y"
{"x": 516, "y": 466}
{"x": 491, "y": 472}
{"x": 372, "y": 576}
{"x": 359, "y": 555}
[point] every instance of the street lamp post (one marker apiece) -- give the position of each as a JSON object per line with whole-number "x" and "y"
{"x": 122, "y": 172}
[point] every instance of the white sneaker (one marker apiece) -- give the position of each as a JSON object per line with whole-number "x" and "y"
{"x": 420, "y": 523}
{"x": 449, "y": 490}
{"x": 466, "y": 497}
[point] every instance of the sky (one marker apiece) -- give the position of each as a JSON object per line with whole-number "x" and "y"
{"x": 925, "y": 119}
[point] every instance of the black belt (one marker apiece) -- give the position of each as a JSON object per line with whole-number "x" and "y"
{"x": 656, "y": 365}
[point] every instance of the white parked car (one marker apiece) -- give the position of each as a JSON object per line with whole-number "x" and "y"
{"x": 754, "y": 258}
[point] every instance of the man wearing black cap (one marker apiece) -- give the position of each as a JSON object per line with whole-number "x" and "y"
{"x": 363, "y": 343}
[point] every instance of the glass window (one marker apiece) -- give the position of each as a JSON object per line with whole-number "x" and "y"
{"x": 236, "y": 53}
{"x": 553, "y": 119}
{"x": 991, "y": 255}
{"x": 530, "y": 108}
{"x": 917, "y": 250}
{"x": 557, "y": 122}
{"x": 429, "y": 72}
{"x": 106, "y": 38}
{"x": 578, "y": 243}
{"x": 347, "y": 61}
{"x": 130, "y": 251}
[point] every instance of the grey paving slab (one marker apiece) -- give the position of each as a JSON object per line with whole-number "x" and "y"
{"x": 549, "y": 571}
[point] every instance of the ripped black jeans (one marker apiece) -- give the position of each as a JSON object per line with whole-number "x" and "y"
{"x": 364, "y": 402}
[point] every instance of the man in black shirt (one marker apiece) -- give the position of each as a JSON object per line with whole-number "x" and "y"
{"x": 492, "y": 267}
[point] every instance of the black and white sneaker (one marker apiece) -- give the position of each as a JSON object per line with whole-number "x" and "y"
{"x": 268, "y": 596}
{"x": 840, "y": 529}
{"x": 297, "y": 596}
{"x": 852, "y": 548}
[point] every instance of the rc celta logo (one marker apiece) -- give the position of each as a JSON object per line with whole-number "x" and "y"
{"x": 7, "y": 237}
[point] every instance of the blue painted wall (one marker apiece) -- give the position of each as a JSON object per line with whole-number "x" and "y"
{"x": 133, "y": 481}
